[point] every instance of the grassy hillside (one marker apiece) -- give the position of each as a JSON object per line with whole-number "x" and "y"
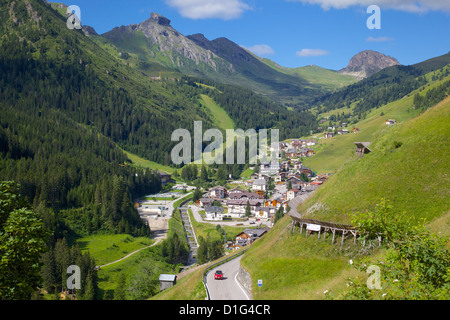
{"x": 409, "y": 166}
{"x": 219, "y": 116}
{"x": 332, "y": 153}
{"x": 108, "y": 248}
{"x": 294, "y": 267}
{"x": 299, "y": 267}
{"x": 329, "y": 79}
{"x": 143, "y": 163}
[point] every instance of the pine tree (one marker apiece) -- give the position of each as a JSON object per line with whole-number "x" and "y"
{"x": 204, "y": 174}
{"x": 202, "y": 251}
{"x": 279, "y": 214}
{"x": 221, "y": 174}
{"x": 119, "y": 292}
{"x": 90, "y": 287}
{"x": 248, "y": 211}
{"x": 49, "y": 279}
{"x": 98, "y": 196}
{"x": 62, "y": 258}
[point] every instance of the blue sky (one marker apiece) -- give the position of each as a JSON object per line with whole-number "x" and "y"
{"x": 294, "y": 33}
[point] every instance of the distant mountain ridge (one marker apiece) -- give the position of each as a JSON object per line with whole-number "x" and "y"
{"x": 155, "y": 40}
{"x": 367, "y": 63}
{"x": 222, "y": 60}
{"x": 166, "y": 45}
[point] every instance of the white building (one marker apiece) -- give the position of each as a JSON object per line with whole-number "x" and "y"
{"x": 213, "y": 213}
{"x": 236, "y": 208}
{"x": 259, "y": 184}
{"x": 271, "y": 168}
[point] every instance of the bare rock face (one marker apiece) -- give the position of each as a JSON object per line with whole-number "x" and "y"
{"x": 368, "y": 62}
{"x": 159, "y": 19}
{"x": 180, "y": 49}
{"x": 177, "y": 50}
{"x": 89, "y": 31}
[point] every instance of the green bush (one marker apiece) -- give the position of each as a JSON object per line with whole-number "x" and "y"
{"x": 416, "y": 263}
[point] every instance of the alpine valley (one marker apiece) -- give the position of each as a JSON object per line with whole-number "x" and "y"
{"x": 86, "y": 123}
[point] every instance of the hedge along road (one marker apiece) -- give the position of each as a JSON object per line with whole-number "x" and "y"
{"x": 228, "y": 288}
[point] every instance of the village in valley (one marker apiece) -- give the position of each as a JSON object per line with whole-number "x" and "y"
{"x": 270, "y": 187}
{"x": 251, "y": 202}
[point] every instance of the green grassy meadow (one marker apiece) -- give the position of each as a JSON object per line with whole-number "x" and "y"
{"x": 148, "y": 260}
{"x": 143, "y": 163}
{"x": 219, "y": 116}
{"x": 332, "y": 153}
{"x": 295, "y": 267}
{"x": 109, "y": 248}
{"x": 409, "y": 166}
{"x": 315, "y": 75}
{"x": 209, "y": 230}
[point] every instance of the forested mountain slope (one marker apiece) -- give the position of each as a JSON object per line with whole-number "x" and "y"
{"x": 155, "y": 41}
{"x": 67, "y": 105}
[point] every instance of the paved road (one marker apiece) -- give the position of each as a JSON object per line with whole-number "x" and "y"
{"x": 229, "y": 288}
{"x": 279, "y": 191}
{"x": 294, "y": 203}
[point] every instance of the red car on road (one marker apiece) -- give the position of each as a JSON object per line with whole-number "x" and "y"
{"x": 218, "y": 275}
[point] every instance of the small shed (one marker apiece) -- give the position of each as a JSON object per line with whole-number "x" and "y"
{"x": 167, "y": 281}
{"x": 362, "y": 148}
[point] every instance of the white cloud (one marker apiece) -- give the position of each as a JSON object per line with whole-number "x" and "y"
{"x": 312, "y": 53}
{"x": 403, "y": 5}
{"x": 205, "y": 9}
{"x": 261, "y": 49}
{"x": 379, "y": 39}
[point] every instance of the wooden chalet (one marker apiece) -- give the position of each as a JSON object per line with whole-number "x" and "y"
{"x": 362, "y": 148}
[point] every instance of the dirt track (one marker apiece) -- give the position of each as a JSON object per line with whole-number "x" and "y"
{"x": 130, "y": 254}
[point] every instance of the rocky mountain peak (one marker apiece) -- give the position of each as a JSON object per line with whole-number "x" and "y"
{"x": 368, "y": 62}
{"x": 198, "y": 37}
{"x": 181, "y": 52}
{"x": 159, "y": 19}
{"x": 89, "y": 31}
